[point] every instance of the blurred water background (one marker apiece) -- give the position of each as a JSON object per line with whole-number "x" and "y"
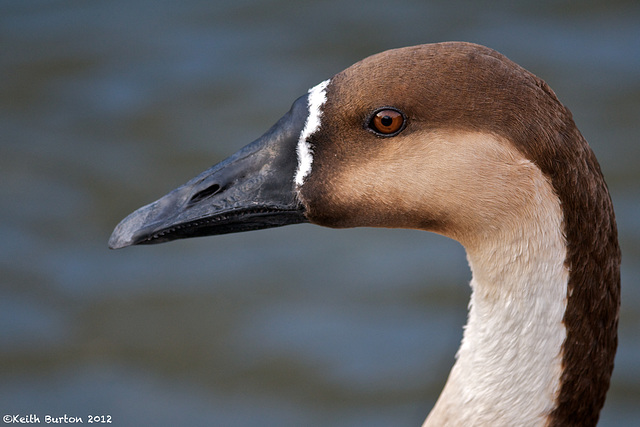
{"x": 107, "y": 105}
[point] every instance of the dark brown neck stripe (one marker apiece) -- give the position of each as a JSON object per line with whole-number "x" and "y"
{"x": 555, "y": 144}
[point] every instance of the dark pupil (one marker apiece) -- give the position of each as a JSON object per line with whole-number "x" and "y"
{"x": 386, "y": 121}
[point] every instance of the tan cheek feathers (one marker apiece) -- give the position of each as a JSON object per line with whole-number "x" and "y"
{"x": 452, "y": 182}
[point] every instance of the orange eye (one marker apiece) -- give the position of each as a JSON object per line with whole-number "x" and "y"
{"x": 387, "y": 122}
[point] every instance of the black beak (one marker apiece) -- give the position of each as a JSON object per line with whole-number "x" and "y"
{"x": 251, "y": 190}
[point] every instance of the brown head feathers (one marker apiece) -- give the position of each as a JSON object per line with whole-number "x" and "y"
{"x": 449, "y": 88}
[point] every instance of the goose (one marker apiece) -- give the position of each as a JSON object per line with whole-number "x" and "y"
{"x": 455, "y": 139}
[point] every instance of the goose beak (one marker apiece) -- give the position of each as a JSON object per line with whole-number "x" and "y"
{"x": 251, "y": 190}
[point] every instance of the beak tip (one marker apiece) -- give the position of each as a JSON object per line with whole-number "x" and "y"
{"x": 117, "y": 244}
{"x": 125, "y": 232}
{"x": 119, "y": 240}
{"x": 133, "y": 229}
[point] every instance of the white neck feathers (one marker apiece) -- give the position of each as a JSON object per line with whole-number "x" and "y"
{"x": 508, "y": 366}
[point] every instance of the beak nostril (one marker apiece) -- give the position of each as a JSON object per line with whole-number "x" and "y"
{"x": 209, "y": 191}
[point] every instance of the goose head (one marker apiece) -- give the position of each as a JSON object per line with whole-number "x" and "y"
{"x": 409, "y": 138}
{"x": 452, "y": 138}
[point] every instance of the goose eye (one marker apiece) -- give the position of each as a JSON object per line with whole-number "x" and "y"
{"x": 387, "y": 122}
